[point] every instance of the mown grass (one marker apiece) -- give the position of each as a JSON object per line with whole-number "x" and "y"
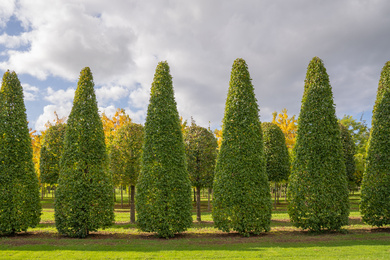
{"x": 202, "y": 241}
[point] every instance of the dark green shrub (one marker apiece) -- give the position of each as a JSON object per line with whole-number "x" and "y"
{"x": 163, "y": 190}
{"x": 84, "y": 198}
{"x": 318, "y": 188}
{"x": 20, "y": 207}
{"x": 242, "y": 199}
{"x": 375, "y": 200}
{"x": 201, "y": 151}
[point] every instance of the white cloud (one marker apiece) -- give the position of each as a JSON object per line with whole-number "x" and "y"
{"x": 113, "y": 93}
{"x": 122, "y": 42}
{"x": 30, "y": 92}
{"x": 7, "y": 8}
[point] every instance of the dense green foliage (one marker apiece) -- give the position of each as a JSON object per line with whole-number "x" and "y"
{"x": 349, "y": 153}
{"x": 318, "y": 188}
{"x": 163, "y": 189}
{"x": 201, "y": 152}
{"x": 51, "y": 152}
{"x": 125, "y": 157}
{"x": 276, "y": 153}
{"x": 375, "y": 203}
{"x": 242, "y": 199}
{"x": 84, "y": 198}
{"x": 19, "y": 189}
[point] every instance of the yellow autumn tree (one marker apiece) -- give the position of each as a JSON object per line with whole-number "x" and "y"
{"x": 288, "y": 125}
{"x": 218, "y": 135}
{"x": 111, "y": 124}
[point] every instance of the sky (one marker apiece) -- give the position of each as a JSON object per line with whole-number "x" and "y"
{"x": 48, "y": 43}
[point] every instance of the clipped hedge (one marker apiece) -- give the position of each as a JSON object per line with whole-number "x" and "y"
{"x": 84, "y": 198}
{"x": 20, "y": 207}
{"x": 375, "y": 200}
{"x": 242, "y": 199}
{"x": 163, "y": 189}
{"x": 318, "y": 188}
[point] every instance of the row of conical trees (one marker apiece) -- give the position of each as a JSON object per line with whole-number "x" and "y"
{"x": 318, "y": 190}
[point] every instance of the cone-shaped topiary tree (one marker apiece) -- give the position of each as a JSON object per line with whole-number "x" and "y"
{"x": 242, "y": 199}
{"x": 51, "y": 153}
{"x": 375, "y": 202}
{"x": 276, "y": 154}
{"x": 84, "y": 198}
{"x": 318, "y": 188}
{"x": 201, "y": 151}
{"x": 125, "y": 157}
{"x": 20, "y": 207}
{"x": 163, "y": 189}
{"x": 349, "y": 153}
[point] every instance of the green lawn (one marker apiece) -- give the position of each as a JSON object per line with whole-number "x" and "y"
{"x": 202, "y": 241}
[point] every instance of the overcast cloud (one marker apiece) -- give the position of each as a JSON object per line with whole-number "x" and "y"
{"x": 122, "y": 42}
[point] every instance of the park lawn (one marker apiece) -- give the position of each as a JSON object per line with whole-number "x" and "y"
{"x": 202, "y": 241}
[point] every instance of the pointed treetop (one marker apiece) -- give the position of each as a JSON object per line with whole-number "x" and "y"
{"x": 384, "y": 82}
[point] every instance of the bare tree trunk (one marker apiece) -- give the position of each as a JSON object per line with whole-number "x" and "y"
{"x": 285, "y": 192}
{"x": 43, "y": 190}
{"x": 132, "y": 204}
{"x": 121, "y": 196}
{"x": 208, "y": 198}
{"x": 194, "y": 195}
{"x": 114, "y": 195}
{"x": 198, "y": 214}
{"x": 275, "y": 190}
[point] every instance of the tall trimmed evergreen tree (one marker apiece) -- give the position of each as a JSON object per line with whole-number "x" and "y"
{"x": 242, "y": 199}
{"x": 318, "y": 188}
{"x": 375, "y": 202}
{"x": 84, "y": 198}
{"x": 20, "y": 207}
{"x": 276, "y": 155}
{"x": 163, "y": 189}
{"x": 201, "y": 152}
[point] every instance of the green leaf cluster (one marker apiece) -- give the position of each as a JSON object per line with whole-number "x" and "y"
{"x": 201, "y": 152}
{"x": 20, "y": 207}
{"x": 375, "y": 200}
{"x": 84, "y": 197}
{"x": 276, "y": 153}
{"x": 51, "y": 153}
{"x": 163, "y": 190}
{"x": 318, "y": 190}
{"x": 242, "y": 199}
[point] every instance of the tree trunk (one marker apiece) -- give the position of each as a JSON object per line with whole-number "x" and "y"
{"x": 114, "y": 195}
{"x": 198, "y": 214}
{"x": 132, "y": 204}
{"x": 285, "y": 193}
{"x": 208, "y": 200}
{"x": 43, "y": 190}
{"x": 121, "y": 196}
{"x": 194, "y": 195}
{"x": 276, "y": 192}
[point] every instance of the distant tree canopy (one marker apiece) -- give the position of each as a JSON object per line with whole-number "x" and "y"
{"x": 51, "y": 153}
{"x": 318, "y": 189}
{"x": 84, "y": 198}
{"x": 201, "y": 152}
{"x": 125, "y": 157}
{"x": 20, "y": 207}
{"x": 242, "y": 199}
{"x": 276, "y": 153}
